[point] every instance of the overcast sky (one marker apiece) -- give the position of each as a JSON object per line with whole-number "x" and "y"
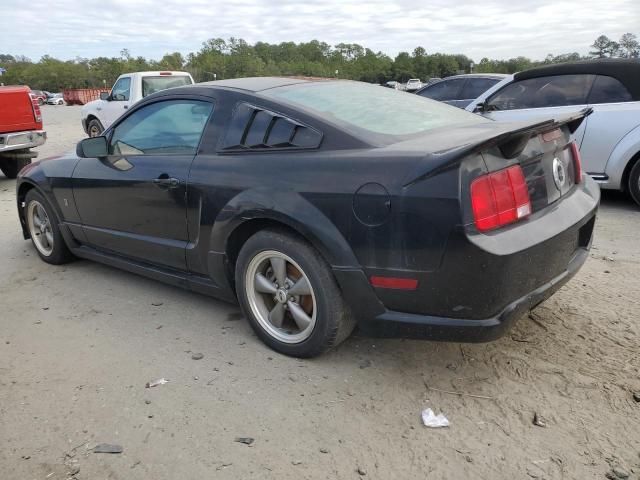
{"x": 496, "y": 29}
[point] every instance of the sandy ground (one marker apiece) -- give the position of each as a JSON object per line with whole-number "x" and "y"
{"x": 79, "y": 342}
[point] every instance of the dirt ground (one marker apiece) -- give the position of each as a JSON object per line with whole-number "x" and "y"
{"x": 79, "y": 342}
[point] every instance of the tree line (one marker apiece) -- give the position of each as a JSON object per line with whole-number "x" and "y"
{"x": 219, "y": 59}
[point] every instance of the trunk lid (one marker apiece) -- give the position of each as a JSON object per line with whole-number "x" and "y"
{"x": 541, "y": 148}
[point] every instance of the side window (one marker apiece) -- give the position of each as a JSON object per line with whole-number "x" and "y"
{"x": 121, "y": 89}
{"x": 476, "y": 87}
{"x": 609, "y": 90}
{"x": 253, "y": 128}
{"x": 552, "y": 91}
{"x": 167, "y": 127}
{"x": 444, "y": 90}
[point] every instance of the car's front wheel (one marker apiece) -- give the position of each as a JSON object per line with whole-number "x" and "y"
{"x": 289, "y": 295}
{"x": 44, "y": 230}
{"x": 95, "y": 128}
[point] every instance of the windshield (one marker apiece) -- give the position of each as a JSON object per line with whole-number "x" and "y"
{"x": 155, "y": 84}
{"x": 372, "y": 108}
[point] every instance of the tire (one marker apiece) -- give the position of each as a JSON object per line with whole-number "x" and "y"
{"x": 634, "y": 182}
{"x": 11, "y": 166}
{"x": 314, "y": 316}
{"x": 58, "y": 252}
{"x": 94, "y": 128}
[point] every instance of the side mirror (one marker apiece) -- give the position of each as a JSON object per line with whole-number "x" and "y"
{"x": 95, "y": 147}
{"x": 480, "y": 108}
{"x": 105, "y": 96}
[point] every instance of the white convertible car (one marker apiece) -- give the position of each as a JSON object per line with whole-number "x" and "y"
{"x": 609, "y": 139}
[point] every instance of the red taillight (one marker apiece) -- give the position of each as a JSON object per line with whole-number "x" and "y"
{"x": 395, "y": 283}
{"x": 577, "y": 161}
{"x": 36, "y": 109}
{"x": 165, "y": 73}
{"x": 500, "y": 198}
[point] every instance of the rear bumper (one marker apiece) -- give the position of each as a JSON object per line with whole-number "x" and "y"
{"x": 22, "y": 140}
{"x": 484, "y": 282}
{"x": 407, "y": 325}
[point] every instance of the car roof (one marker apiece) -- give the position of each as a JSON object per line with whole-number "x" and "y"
{"x": 497, "y": 76}
{"x": 626, "y": 71}
{"x": 257, "y": 84}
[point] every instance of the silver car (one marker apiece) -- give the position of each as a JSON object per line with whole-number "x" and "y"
{"x": 460, "y": 90}
{"x": 610, "y": 138}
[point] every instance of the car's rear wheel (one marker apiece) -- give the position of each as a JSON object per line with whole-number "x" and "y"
{"x": 11, "y": 166}
{"x": 634, "y": 182}
{"x": 289, "y": 295}
{"x": 95, "y": 128}
{"x": 44, "y": 230}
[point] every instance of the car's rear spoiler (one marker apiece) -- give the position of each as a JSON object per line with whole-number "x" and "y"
{"x": 511, "y": 141}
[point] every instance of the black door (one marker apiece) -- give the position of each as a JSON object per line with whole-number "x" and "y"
{"x": 133, "y": 202}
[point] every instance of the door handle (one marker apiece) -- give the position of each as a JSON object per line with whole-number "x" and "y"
{"x": 125, "y": 106}
{"x": 166, "y": 182}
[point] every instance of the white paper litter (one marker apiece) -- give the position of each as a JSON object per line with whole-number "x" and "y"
{"x": 155, "y": 383}
{"x": 431, "y": 420}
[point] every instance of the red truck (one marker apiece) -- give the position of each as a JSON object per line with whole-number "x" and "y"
{"x": 20, "y": 129}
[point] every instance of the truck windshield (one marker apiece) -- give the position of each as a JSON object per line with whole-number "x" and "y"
{"x": 155, "y": 84}
{"x": 372, "y": 108}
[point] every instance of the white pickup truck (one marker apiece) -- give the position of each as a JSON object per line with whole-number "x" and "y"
{"x": 128, "y": 89}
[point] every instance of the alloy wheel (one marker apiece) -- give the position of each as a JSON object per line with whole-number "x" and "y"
{"x": 281, "y": 297}
{"x": 40, "y": 228}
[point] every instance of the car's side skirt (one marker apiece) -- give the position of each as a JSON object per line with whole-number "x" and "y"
{"x": 184, "y": 280}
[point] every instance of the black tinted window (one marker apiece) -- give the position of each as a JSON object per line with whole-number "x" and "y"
{"x": 553, "y": 91}
{"x": 171, "y": 127}
{"x": 476, "y": 87}
{"x": 609, "y": 90}
{"x": 444, "y": 90}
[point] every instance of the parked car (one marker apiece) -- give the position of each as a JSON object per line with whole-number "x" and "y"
{"x": 40, "y": 96}
{"x": 321, "y": 204}
{"x": 413, "y": 84}
{"x": 20, "y": 129}
{"x": 128, "y": 89}
{"x": 392, "y": 84}
{"x": 55, "y": 99}
{"x": 460, "y": 90}
{"x": 609, "y": 140}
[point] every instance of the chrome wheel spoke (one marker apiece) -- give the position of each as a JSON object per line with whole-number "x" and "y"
{"x": 299, "y": 315}
{"x": 263, "y": 285}
{"x": 301, "y": 287}
{"x": 279, "y": 267}
{"x": 276, "y": 315}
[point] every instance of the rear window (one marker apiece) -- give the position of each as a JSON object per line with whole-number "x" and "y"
{"x": 371, "y": 108}
{"x": 608, "y": 90}
{"x": 155, "y": 84}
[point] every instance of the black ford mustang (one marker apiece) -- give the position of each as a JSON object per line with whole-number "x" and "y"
{"x": 320, "y": 205}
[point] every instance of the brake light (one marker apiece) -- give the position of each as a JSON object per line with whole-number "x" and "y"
{"x": 165, "y": 73}
{"x": 394, "y": 283}
{"x": 500, "y": 198}
{"x": 36, "y": 109}
{"x": 577, "y": 161}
